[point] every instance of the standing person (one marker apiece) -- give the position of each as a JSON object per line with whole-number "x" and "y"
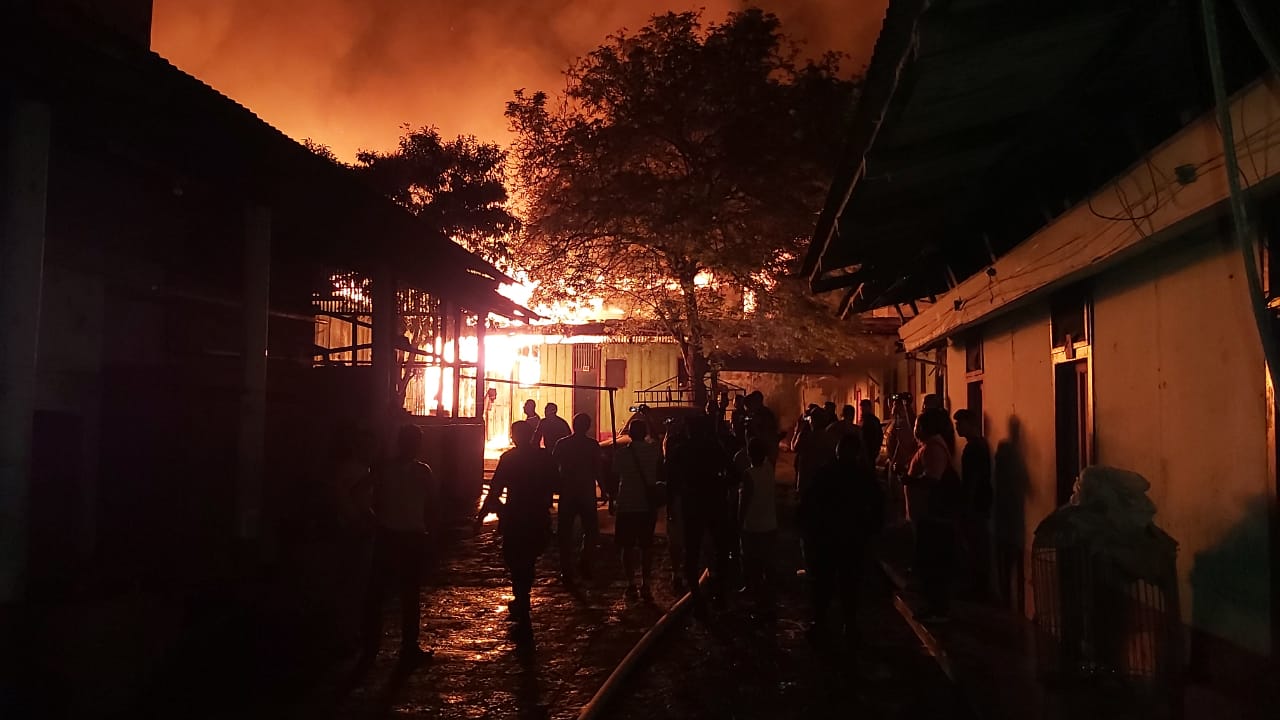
{"x": 531, "y": 412}
{"x": 637, "y": 466}
{"x": 901, "y": 447}
{"x": 350, "y": 489}
{"x": 551, "y": 429}
{"x": 933, "y": 490}
{"x": 849, "y": 420}
{"x": 832, "y": 410}
{"x": 840, "y": 516}
{"x": 872, "y": 431}
{"x": 578, "y": 458}
{"x": 527, "y": 474}
{"x": 761, "y": 422}
{"x": 675, "y": 439}
{"x": 975, "y": 480}
{"x": 758, "y": 517}
{"x": 698, "y": 467}
{"x": 738, "y": 420}
{"x": 933, "y": 404}
{"x": 802, "y": 443}
{"x": 405, "y": 502}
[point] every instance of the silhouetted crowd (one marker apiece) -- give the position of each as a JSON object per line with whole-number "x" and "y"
{"x": 711, "y": 475}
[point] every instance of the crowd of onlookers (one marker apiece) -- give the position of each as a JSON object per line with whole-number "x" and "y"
{"x": 712, "y": 476}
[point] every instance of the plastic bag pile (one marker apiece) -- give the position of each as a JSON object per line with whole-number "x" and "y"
{"x": 1110, "y": 515}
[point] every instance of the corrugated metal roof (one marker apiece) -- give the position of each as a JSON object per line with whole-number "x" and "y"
{"x": 981, "y": 120}
{"x": 127, "y": 100}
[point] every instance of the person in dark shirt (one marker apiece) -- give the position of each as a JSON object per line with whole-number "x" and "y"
{"x": 975, "y": 481}
{"x": 872, "y": 431}
{"x": 840, "y": 515}
{"x": 578, "y": 458}
{"x": 551, "y": 429}
{"x": 698, "y": 467}
{"x": 528, "y": 475}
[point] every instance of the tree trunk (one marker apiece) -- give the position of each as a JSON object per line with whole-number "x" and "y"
{"x": 697, "y": 366}
{"x": 695, "y": 360}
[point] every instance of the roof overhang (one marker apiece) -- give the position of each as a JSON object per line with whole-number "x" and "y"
{"x": 1142, "y": 207}
{"x": 132, "y": 104}
{"x": 980, "y": 121}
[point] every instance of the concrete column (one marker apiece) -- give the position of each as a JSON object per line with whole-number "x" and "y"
{"x": 21, "y": 279}
{"x": 256, "y": 294}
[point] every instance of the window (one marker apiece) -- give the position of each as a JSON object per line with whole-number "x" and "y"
{"x": 973, "y": 354}
{"x": 1070, "y": 317}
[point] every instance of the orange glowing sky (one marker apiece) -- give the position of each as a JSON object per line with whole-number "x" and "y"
{"x": 349, "y": 73}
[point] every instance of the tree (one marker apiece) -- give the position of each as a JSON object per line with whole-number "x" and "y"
{"x": 681, "y": 171}
{"x": 459, "y": 186}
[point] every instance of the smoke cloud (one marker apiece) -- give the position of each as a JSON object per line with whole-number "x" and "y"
{"x": 349, "y": 73}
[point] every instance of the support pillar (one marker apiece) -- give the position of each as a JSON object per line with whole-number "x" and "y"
{"x": 21, "y": 279}
{"x": 256, "y": 293}
{"x": 441, "y": 339}
{"x": 457, "y": 361}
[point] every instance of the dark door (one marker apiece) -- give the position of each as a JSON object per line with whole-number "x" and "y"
{"x": 975, "y": 403}
{"x": 1071, "y": 386}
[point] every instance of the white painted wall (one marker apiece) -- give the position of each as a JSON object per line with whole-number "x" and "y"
{"x": 1179, "y": 396}
{"x": 1019, "y": 420}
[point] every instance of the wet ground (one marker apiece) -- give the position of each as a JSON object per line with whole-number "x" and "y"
{"x": 737, "y": 668}
{"x": 725, "y": 666}
{"x": 481, "y": 668}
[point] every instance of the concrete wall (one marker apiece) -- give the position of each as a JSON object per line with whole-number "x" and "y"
{"x": 1019, "y": 418}
{"x": 1179, "y": 395}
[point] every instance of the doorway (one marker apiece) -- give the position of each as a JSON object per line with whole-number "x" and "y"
{"x": 586, "y": 371}
{"x": 1074, "y": 423}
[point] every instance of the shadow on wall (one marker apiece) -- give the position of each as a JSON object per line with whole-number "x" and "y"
{"x": 1012, "y": 484}
{"x": 1231, "y": 606}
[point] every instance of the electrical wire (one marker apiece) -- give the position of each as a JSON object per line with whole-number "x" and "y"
{"x": 1239, "y": 212}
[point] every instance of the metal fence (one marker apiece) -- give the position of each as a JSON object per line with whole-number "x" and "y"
{"x": 1095, "y": 623}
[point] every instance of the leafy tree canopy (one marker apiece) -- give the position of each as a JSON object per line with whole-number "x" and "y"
{"x": 457, "y": 185}
{"x": 681, "y": 171}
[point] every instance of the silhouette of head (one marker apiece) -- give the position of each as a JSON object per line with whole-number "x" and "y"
{"x": 552, "y": 409}
{"x": 530, "y": 408}
{"x": 968, "y": 424}
{"x": 848, "y": 413}
{"x": 830, "y": 407}
{"x": 755, "y": 400}
{"x": 932, "y": 401}
{"x": 849, "y": 450}
{"x": 868, "y": 407}
{"x": 929, "y": 424}
{"x": 638, "y": 430}
{"x": 521, "y": 433}
{"x": 408, "y": 442}
{"x": 581, "y": 423}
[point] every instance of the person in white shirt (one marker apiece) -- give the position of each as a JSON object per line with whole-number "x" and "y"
{"x": 758, "y": 513}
